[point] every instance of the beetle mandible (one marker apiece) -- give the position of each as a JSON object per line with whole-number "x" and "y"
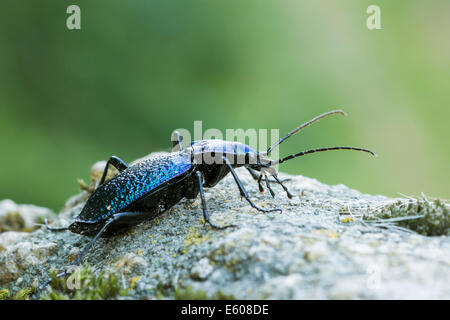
{"x": 151, "y": 186}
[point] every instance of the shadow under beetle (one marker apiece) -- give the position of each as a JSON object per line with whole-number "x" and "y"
{"x": 151, "y": 186}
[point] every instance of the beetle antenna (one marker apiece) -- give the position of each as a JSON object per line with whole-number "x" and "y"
{"x": 292, "y": 156}
{"x": 304, "y": 126}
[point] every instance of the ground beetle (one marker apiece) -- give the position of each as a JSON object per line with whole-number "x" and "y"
{"x": 151, "y": 186}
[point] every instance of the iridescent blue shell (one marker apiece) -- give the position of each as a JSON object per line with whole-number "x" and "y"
{"x": 221, "y": 146}
{"x": 133, "y": 183}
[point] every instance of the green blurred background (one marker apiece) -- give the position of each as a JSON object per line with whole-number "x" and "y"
{"x": 139, "y": 69}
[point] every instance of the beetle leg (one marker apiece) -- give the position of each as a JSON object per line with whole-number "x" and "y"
{"x": 290, "y": 196}
{"x": 117, "y": 163}
{"x": 38, "y": 292}
{"x": 261, "y": 188}
{"x": 255, "y": 175}
{"x": 177, "y": 142}
{"x": 258, "y": 177}
{"x": 242, "y": 189}
{"x": 54, "y": 228}
{"x": 268, "y": 186}
{"x": 82, "y": 254}
{"x": 205, "y": 209}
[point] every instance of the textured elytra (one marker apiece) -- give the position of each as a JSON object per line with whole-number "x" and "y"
{"x": 220, "y": 147}
{"x": 133, "y": 183}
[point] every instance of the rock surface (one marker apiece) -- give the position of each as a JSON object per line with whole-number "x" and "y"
{"x": 21, "y": 217}
{"x": 318, "y": 248}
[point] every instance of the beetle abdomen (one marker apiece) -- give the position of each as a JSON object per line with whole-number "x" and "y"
{"x": 133, "y": 183}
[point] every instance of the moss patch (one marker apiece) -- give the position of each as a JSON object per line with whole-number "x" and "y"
{"x": 13, "y": 222}
{"x": 23, "y": 294}
{"x": 85, "y": 286}
{"x": 188, "y": 293}
{"x": 421, "y": 215}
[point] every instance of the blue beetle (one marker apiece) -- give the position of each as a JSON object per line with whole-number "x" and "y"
{"x": 151, "y": 186}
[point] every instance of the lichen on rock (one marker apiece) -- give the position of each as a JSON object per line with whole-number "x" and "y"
{"x": 430, "y": 218}
{"x": 17, "y": 258}
{"x": 22, "y": 217}
{"x": 330, "y": 242}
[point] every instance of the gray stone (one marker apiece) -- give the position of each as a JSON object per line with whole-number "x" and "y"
{"x": 202, "y": 269}
{"x": 23, "y": 217}
{"x": 9, "y": 238}
{"x": 17, "y": 258}
{"x": 319, "y": 247}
